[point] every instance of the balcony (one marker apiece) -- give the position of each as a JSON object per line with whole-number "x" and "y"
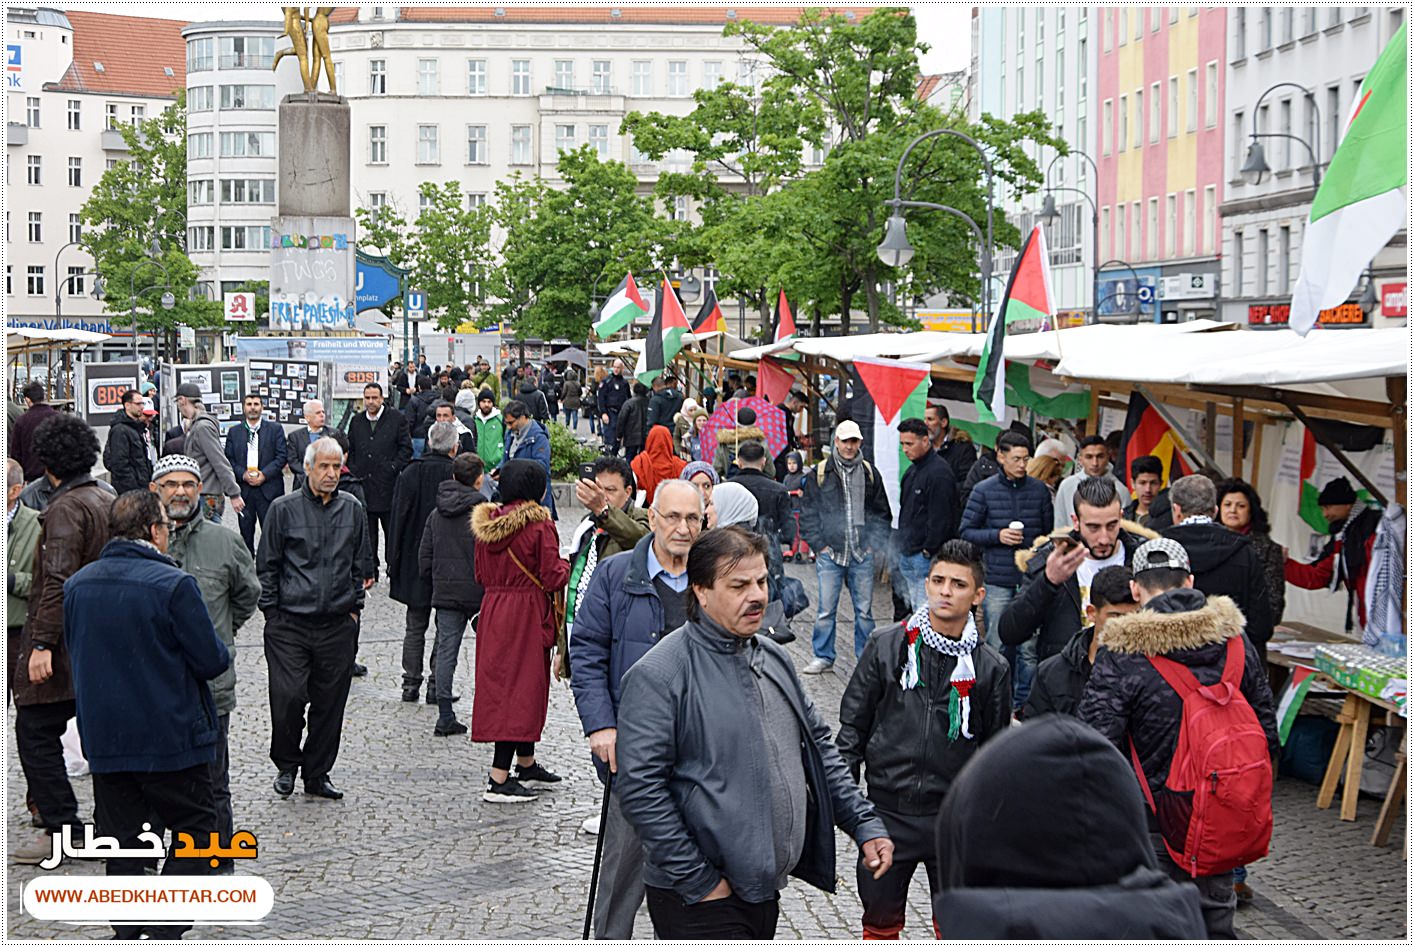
{"x": 247, "y": 60}
{"x": 16, "y": 135}
{"x": 113, "y": 140}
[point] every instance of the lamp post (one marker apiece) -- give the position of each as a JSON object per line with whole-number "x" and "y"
{"x": 1256, "y": 165}
{"x": 1050, "y": 214}
{"x": 896, "y": 240}
{"x": 132, "y": 297}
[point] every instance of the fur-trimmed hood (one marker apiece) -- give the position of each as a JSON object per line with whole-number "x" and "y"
{"x": 1149, "y": 632}
{"x": 1024, "y": 556}
{"x": 745, "y": 432}
{"x": 496, "y": 526}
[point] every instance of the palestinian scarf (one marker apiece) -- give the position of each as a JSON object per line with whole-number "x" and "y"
{"x": 1384, "y": 592}
{"x": 919, "y": 632}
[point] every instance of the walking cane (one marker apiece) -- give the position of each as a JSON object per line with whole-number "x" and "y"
{"x": 598, "y": 855}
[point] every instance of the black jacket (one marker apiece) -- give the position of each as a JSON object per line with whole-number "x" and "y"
{"x": 125, "y": 454}
{"x": 534, "y": 400}
{"x": 1160, "y": 512}
{"x": 419, "y": 412}
{"x": 1060, "y": 679}
{"x": 900, "y": 736}
{"x": 414, "y": 499}
{"x": 1053, "y": 610}
{"x": 772, "y": 501}
{"x": 927, "y": 506}
{"x": 960, "y": 455}
{"x": 295, "y": 446}
{"x": 313, "y": 555}
{"x": 985, "y": 466}
{"x": 632, "y": 426}
{"x": 377, "y": 456}
{"x": 353, "y": 486}
{"x": 614, "y": 390}
{"x": 1224, "y": 563}
{"x": 663, "y": 405}
{"x": 1127, "y": 699}
{"x": 446, "y": 556}
{"x": 399, "y": 386}
{"x": 271, "y": 453}
{"x": 822, "y": 520}
{"x": 1072, "y": 861}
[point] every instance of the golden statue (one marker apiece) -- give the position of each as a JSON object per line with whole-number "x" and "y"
{"x": 299, "y": 24}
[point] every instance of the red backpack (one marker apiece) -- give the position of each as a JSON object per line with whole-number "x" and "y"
{"x": 1215, "y": 808}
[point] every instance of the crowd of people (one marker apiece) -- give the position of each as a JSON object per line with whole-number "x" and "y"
{"x": 1045, "y": 627}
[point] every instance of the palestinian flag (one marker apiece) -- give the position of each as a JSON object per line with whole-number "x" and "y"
{"x": 664, "y": 339}
{"x": 624, "y": 305}
{"x": 885, "y": 392}
{"x": 1318, "y": 465}
{"x": 1363, "y": 199}
{"x": 1146, "y": 432}
{"x": 709, "y": 317}
{"x": 1310, "y": 489}
{"x": 785, "y": 322}
{"x": 1028, "y": 296}
{"x": 1293, "y": 695}
{"x": 772, "y": 381}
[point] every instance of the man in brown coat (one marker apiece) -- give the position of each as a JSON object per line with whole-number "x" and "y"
{"x": 74, "y": 531}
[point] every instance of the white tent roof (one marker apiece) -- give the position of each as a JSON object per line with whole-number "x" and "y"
{"x": 26, "y": 337}
{"x": 635, "y": 346}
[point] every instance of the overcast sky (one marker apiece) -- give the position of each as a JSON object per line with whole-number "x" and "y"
{"x": 943, "y": 26}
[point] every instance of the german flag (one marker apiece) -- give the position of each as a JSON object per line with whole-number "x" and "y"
{"x": 709, "y": 317}
{"x": 1146, "y": 432}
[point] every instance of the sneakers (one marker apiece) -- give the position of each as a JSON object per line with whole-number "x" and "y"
{"x": 360, "y": 670}
{"x": 35, "y": 852}
{"x": 535, "y": 773}
{"x": 817, "y": 666}
{"x": 590, "y": 826}
{"x": 509, "y": 791}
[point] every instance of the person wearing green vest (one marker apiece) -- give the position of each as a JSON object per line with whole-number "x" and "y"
{"x": 483, "y": 378}
{"x": 490, "y": 429}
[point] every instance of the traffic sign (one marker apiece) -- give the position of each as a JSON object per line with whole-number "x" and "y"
{"x": 415, "y": 303}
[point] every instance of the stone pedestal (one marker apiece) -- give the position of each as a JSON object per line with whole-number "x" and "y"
{"x": 314, "y": 156}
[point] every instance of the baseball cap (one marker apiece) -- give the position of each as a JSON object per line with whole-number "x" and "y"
{"x": 848, "y": 431}
{"x": 147, "y": 407}
{"x": 189, "y": 390}
{"x": 1160, "y": 553}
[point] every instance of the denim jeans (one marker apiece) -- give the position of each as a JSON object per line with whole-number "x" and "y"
{"x": 832, "y": 577}
{"x": 571, "y": 418}
{"x": 451, "y": 626}
{"x": 1022, "y": 659}
{"x": 419, "y": 444}
{"x": 914, "y": 570}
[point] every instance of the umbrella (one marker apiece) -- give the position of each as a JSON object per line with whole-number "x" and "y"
{"x": 769, "y": 419}
{"x": 573, "y": 356}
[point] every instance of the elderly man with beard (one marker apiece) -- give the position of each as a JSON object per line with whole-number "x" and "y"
{"x": 225, "y": 572}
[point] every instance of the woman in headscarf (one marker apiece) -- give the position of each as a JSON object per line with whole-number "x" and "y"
{"x": 705, "y": 476}
{"x": 518, "y": 565}
{"x": 735, "y": 506}
{"x": 682, "y": 427}
{"x": 656, "y": 462}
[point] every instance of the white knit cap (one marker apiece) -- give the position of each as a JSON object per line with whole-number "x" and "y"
{"x": 175, "y": 463}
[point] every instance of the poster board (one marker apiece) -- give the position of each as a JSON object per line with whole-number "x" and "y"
{"x": 286, "y": 384}
{"x": 223, "y": 385}
{"x": 355, "y": 360}
{"x": 100, "y": 387}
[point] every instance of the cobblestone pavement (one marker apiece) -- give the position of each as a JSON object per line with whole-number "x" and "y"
{"x": 412, "y": 852}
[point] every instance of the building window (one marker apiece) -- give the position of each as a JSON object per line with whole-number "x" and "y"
{"x": 1173, "y": 107}
{"x": 75, "y": 111}
{"x": 1153, "y": 247}
{"x": 200, "y": 54}
{"x": 428, "y": 149}
{"x": 234, "y": 97}
{"x": 1082, "y": 60}
{"x": 1107, "y": 122}
{"x": 74, "y": 281}
{"x": 1334, "y": 18}
{"x": 377, "y": 144}
{"x": 1211, "y": 98}
{"x": 1192, "y": 116}
{"x": 1105, "y": 246}
{"x": 1122, "y": 140}
{"x": 1288, "y": 24}
{"x": 475, "y": 200}
{"x": 32, "y": 111}
{"x": 1262, "y": 262}
{"x": 1138, "y": 25}
{"x": 201, "y": 191}
{"x": 429, "y": 80}
{"x": 139, "y": 112}
{"x": 424, "y": 203}
{"x": 1210, "y": 219}
{"x": 1332, "y": 120}
{"x": 520, "y": 144}
{"x": 1060, "y": 85}
{"x": 1265, "y": 29}
{"x": 1121, "y": 214}
{"x": 680, "y": 208}
{"x": 247, "y": 52}
{"x": 1171, "y": 226}
{"x": 201, "y": 238}
{"x": 110, "y": 163}
{"x": 1136, "y": 231}
{"x": 1239, "y": 145}
{"x": 75, "y": 172}
{"x": 199, "y": 145}
{"x": 677, "y": 78}
{"x": 34, "y": 280}
{"x": 1284, "y": 116}
{"x": 1156, "y": 105}
{"x": 247, "y": 190}
{"x": 746, "y": 73}
{"x": 711, "y": 74}
{"x": 642, "y": 78}
{"x": 245, "y": 238}
{"x": 564, "y": 75}
{"x": 35, "y": 231}
{"x": 9, "y": 279}
{"x": 1190, "y": 222}
{"x": 1156, "y": 18}
{"x": 1308, "y": 21}
{"x": 1138, "y": 139}
{"x": 564, "y": 138}
{"x": 1284, "y": 260}
{"x": 75, "y": 228}
{"x": 378, "y": 77}
{"x": 476, "y": 152}
{"x": 377, "y": 199}
{"x": 520, "y": 77}
{"x": 198, "y": 100}
{"x": 1239, "y": 33}
{"x": 247, "y": 144}
{"x": 476, "y": 77}
{"x": 34, "y": 169}
{"x": 599, "y": 140}
{"x": 600, "y": 79}
{"x": 1107, "y": 19}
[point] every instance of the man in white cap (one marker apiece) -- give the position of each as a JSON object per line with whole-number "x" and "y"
{"x": 845, "y": 516}
{"x": 203, "y": 444}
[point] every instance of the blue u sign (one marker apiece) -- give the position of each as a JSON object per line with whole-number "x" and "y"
{"x": 378, "y": 283}
{"x": 416, "y": 302}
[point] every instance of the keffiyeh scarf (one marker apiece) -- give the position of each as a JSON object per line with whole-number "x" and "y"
{"x": 919, "y": 632}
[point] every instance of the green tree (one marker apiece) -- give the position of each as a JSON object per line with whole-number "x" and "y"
{"x": 560, "y": 241}
{"x": 444, "y": 249}
{"x": 135, "y": 227}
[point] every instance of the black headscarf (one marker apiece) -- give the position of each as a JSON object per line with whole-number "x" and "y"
{"x": 522, "y": 480}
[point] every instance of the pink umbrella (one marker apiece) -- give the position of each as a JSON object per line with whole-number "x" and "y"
{"x": 769, "y": 419}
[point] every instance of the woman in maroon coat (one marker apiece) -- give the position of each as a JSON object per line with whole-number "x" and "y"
{"x": 518, "y": 564}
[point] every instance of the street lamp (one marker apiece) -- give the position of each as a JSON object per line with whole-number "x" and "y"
{"x": 895, "y": 250}
{"x": 1255, "y": 165}
{"x": 1050, "y": 214}
{"x": 1369, "y": 299}
{"x": 132, "y": 296}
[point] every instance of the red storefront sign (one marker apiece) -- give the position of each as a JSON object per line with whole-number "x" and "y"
{"x": 1394, "y": 300}
{"x": 1279, "y": 314}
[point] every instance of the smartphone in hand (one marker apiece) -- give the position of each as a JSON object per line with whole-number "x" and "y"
{"x": 586, "y": 472}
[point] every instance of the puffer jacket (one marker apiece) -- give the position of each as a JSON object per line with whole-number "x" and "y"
{"x": 125, "y": 454}
{"x": 313, "y": 555}
{"x": 632, "y": 424}
{"x": 446, "y": 555}
{"x": 663, "y": 405}
{"x": 1060, "y": 679}
{"x": 822, "y": 520}
{"x": 994, "y": 504}
{"x": 1126, "y": 699}
{"x": 900, "y": 737}
{"x": 729, "y": 442}
{"x": 1052, "y": 610}
{"x": 419, "y": 412}
{"x": 1072, "y": 862}
{"x": 1224, "y": 563}
{"x": 692, "y": 768}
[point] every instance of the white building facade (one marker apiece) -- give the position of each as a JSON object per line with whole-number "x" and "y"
{"x": 1324, "y": 51}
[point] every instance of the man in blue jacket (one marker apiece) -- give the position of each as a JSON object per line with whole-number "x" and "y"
{"x": 142, "y": 649}
{"x": 633, "y": 600}
{"x": 257, "y": 452}
{"x": 527, "y": 440}
{"x": 1004, "y": 515}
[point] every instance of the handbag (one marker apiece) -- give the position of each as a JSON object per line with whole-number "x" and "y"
{"x": 793, "y": 596}
{"x": 558, "y": 609}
